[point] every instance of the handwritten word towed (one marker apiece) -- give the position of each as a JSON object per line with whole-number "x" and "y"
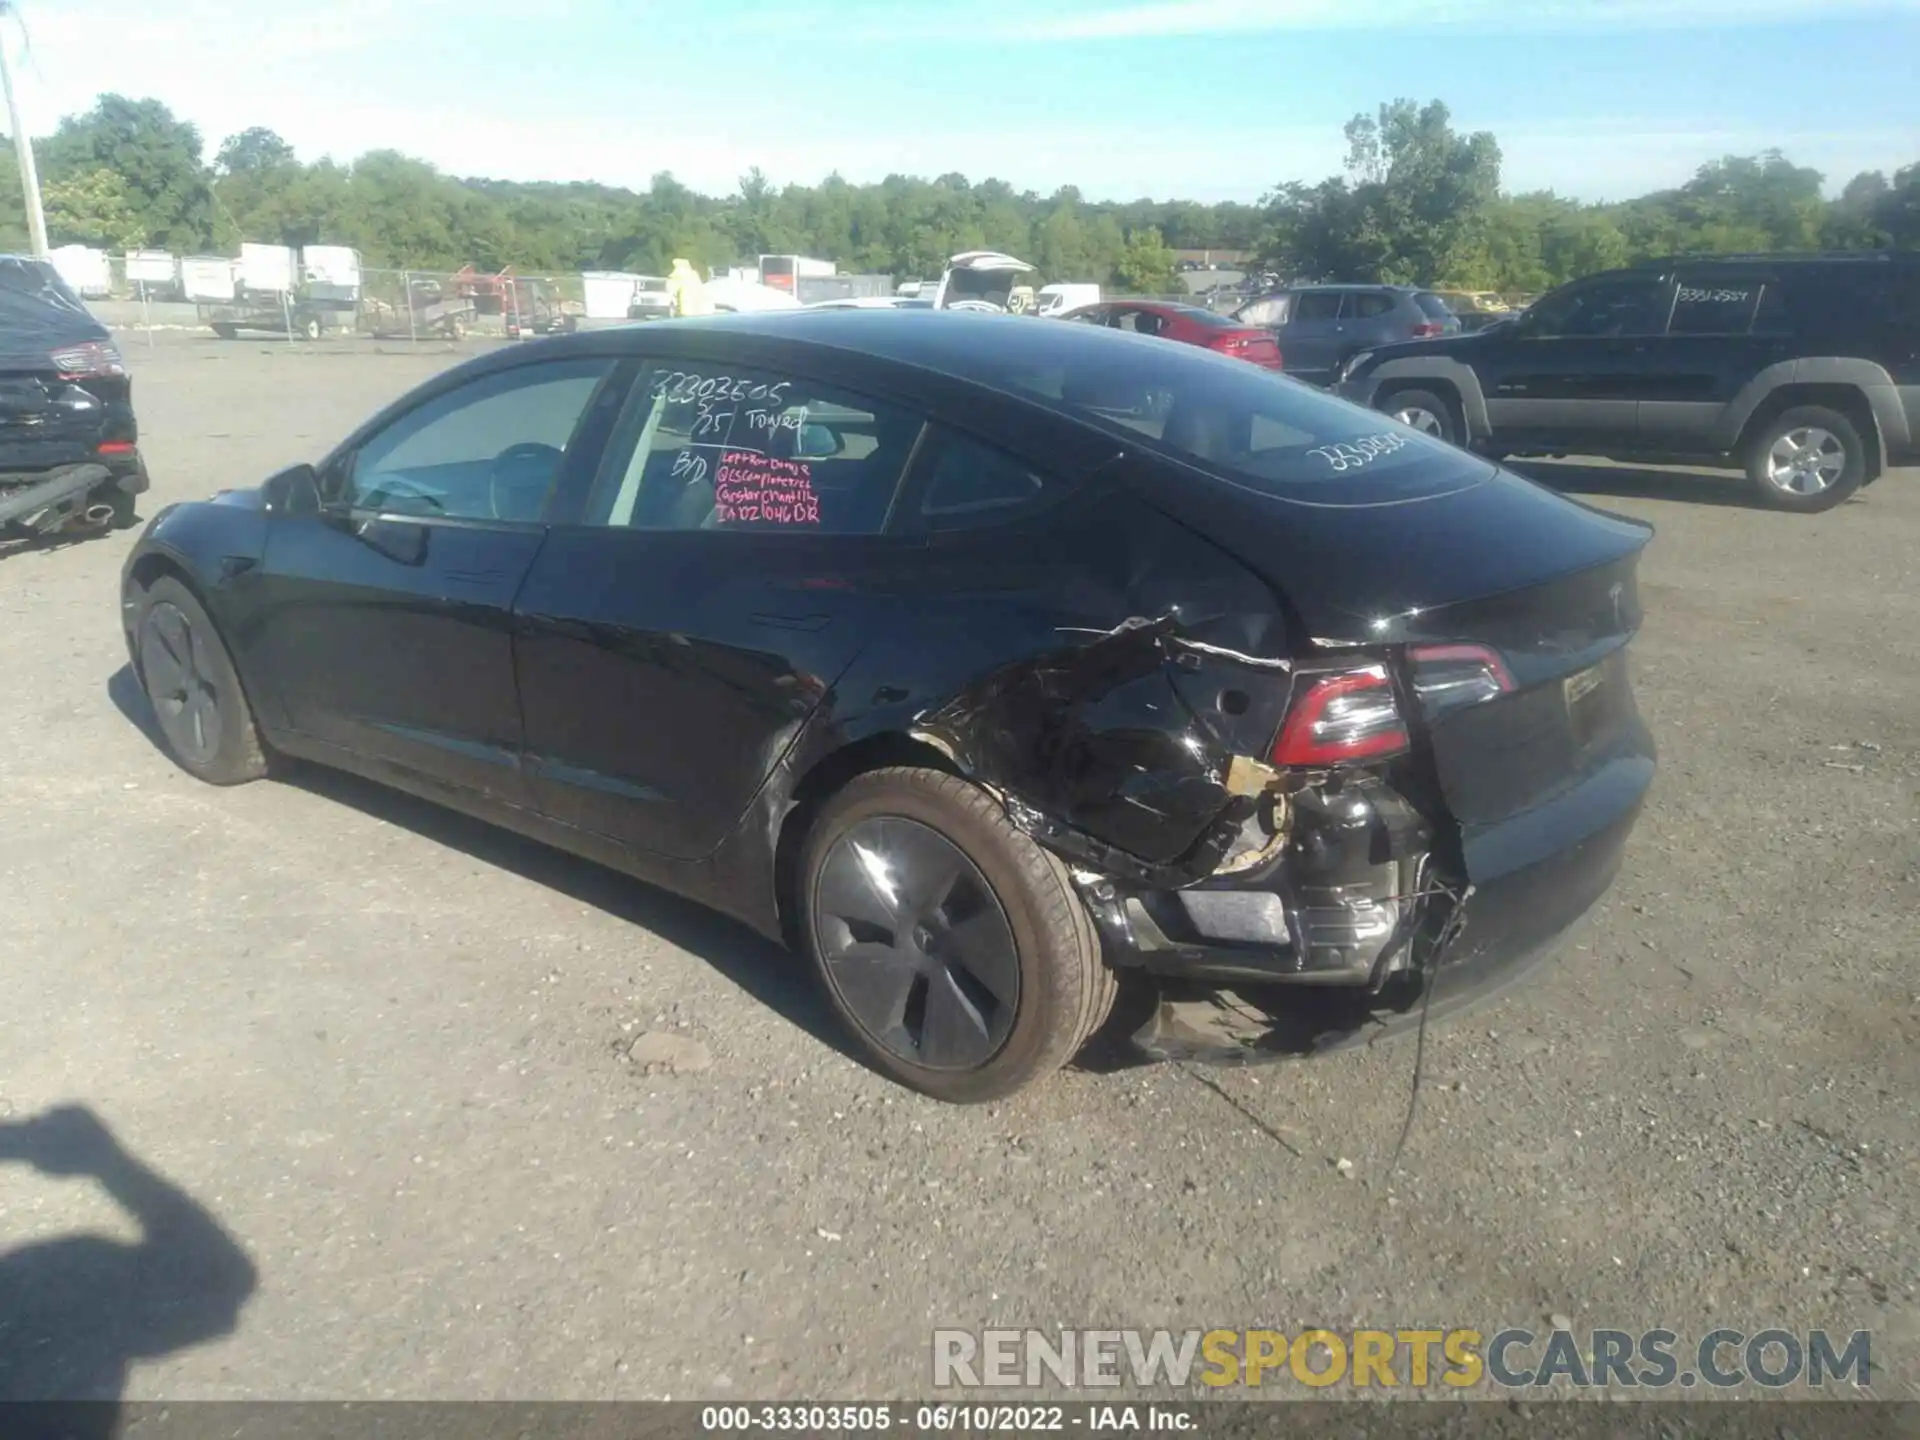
{"x": 750, "y": 488}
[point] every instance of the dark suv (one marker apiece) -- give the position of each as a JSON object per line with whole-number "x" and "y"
{"x": 69, "y": 449}
{"x": 1803, "y": 370}
{"x": 1319, "y": 326}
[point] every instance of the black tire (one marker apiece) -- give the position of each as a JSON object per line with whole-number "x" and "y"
{"x": 1065, "y": 989}
{"x": 196, "y": 682}
{"x": 1846, "y": 450}
{"x": 226, "y": 332}
{"x": 1445, "y": 419}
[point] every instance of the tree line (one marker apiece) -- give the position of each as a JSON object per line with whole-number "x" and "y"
{"x": 1419, "y": 202}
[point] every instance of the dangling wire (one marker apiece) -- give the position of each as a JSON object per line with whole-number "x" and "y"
{"x": 1450, "y": 931}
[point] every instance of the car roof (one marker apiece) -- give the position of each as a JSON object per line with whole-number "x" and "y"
{"x": 951, "y": 342}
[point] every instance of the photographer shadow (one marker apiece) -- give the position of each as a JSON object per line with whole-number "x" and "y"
{"x": 78, "y": 1311}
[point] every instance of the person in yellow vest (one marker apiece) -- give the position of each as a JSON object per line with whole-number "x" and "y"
{"x": 688, "y": 291}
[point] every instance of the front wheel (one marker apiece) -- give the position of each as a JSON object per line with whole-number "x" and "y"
{"x": 1807, "y": 459}
{"x": 954, "y": 948}
{"x": 1424, "y": 411}
{"x": 193, "y": 688}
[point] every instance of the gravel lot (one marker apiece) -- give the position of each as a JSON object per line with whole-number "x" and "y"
{"x": 382, "y": 1045}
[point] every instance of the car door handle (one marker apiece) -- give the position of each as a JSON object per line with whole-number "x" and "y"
{"x": 474, "y": 577}
{"x": 792, "y": 622}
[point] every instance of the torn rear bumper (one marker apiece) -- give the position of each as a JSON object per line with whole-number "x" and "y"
{"x": 1512, "y": 925}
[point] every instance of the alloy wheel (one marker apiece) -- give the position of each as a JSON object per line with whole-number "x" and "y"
{"x": 179, "y": 680}
{"x": 1806, "y": 461}
{"x": 916, "y": 944}
{"x": 1418, "y": 417}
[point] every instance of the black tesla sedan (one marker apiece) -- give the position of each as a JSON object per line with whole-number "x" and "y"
{"x": 987, "y": 663}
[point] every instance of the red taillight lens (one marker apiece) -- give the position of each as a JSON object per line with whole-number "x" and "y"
{"x": 1428, "y": 330}
{"x": 94, "y": 357}
{"x": 114, "y": 447}
{"x": 1346, "y": 716}
{"x": 1446, "y": 677}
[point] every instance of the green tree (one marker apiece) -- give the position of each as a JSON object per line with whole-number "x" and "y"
{"x": 1146, "y": 264}
{"x": 92, "y": 208}
{"x": 156, "y": 156}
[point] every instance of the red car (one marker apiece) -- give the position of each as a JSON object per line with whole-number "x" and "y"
{"x": 1189, "y": 324}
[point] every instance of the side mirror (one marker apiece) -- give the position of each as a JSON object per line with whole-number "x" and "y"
{"x": 293, "y": 491}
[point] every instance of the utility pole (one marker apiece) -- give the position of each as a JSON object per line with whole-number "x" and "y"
{"x": 23, "y": 150}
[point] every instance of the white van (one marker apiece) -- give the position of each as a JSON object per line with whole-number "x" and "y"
{"x": 1059, "y": 299}
{"x": 979, "y": 280}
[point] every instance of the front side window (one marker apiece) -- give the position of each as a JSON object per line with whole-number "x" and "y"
{"x": 1268, "y": 312}
{"x": 715, "y": 447}
{"x": 1610, "y": 309}
{"x": 490, "y": 450}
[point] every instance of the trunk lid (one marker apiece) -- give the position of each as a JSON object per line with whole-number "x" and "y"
{"x": 1509, "y": 608}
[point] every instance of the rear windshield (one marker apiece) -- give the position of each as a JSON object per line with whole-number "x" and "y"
{"x": 1434, "y": 307}
{"x": 1235, "y": 420}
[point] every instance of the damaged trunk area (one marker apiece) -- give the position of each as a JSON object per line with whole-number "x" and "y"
{"x": 1288, "y": 851}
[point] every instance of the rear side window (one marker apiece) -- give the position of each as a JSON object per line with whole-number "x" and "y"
{"x": 1316, "y": 305}
{"x": 970, "y": 484}
{"x": 716, "y": 447}
{"x": 1234, "y": 420}
{"x": 1714, "y": 305}
{"x": 1842, "y": 300}
{"x": 1368, "y": 304}
{"x": 1212, "y": 319}
{"x": 1432, "y": 306}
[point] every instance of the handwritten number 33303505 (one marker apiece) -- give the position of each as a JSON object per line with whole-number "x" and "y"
{"x": 684, "y": 387}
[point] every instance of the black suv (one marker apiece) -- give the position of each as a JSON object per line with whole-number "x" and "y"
{"x": 1804, "y": 370}
{"x": 69, "y": 448}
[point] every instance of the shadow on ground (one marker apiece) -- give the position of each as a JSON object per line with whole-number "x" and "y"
{"x": 773, "y": 975}
{"x": 1639, "y": 482}
{"x": 76, "y": 1312}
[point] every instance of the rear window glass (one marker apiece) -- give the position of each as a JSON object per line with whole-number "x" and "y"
{"x": 1235, "y": 420}
{"x": 1433, "y": 306}
{"x": 1269, "y": 311}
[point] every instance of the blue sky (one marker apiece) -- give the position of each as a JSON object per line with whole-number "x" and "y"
{"x": 1203, "y": 99}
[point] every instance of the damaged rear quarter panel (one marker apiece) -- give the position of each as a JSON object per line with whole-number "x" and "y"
{"x": 1097, "y": 666}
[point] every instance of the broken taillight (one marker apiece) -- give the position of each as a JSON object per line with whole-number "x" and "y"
{"x": 1341, "y": 717}
{"x": 92, "y": 357}
{"x": 1446, "y": 677}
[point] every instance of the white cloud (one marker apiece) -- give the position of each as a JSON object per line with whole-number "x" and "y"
{"x": 1214, "y": 17}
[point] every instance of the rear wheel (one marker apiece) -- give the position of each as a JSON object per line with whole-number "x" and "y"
{"x": 226, "y": 332}
{"x": 1807, "y": 459}
{"x": 310, "y": 327}
{"x": 1424, "y": 411}
{"x": 195, "y": 692}
{"x": 953, "y": 947}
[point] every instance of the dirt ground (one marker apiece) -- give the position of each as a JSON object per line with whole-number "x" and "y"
{"x": 380, "y": 1045}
